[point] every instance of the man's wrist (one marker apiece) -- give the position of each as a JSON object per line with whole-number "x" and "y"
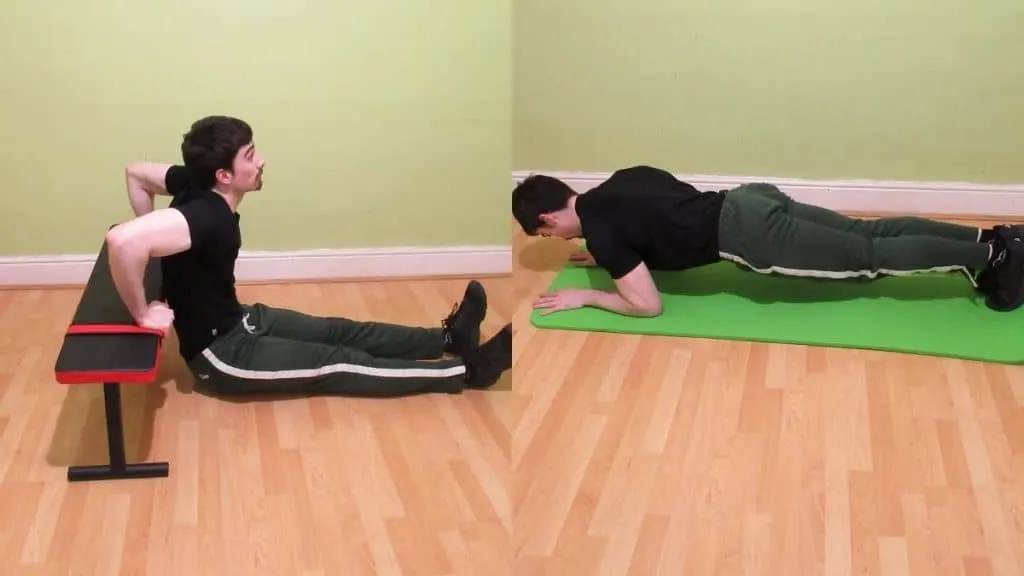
{"x": 612, "y": 301}
{"x": 602, "y": 299}
{"x": 136, "y": 304}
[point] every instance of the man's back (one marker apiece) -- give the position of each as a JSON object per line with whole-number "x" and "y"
{"x": 646, "y": 214}
{"x": 199, "y": 284}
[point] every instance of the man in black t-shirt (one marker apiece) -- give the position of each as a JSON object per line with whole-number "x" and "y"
{"x": 643, "y": 218}
{"x": 236, "y": 348}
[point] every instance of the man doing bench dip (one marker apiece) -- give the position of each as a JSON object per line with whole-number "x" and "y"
{"x": 643, "y": 218}
{"x": 235, "y": 348}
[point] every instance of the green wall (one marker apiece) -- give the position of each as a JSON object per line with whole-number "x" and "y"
{"x": 397, "y": 123}
{"x": 383, "y": 123}
{"x": 894, "y": 89}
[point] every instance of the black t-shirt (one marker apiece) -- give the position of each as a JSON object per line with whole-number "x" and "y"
{"x": 646, "y": 215}
{"x": 199, "y": 284}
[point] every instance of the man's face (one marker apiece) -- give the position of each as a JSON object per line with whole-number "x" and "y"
{"x": 247, "y": 172}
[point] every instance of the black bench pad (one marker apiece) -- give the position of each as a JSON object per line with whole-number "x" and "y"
{"x": 103, "y": 343}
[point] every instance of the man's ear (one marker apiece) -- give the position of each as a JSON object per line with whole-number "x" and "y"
{"x": 223, "y": 176}
{"x": 548, "y": 219}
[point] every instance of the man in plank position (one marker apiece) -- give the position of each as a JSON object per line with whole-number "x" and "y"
{"x": 643, "y": 218}
{"x": 235, "y": 348}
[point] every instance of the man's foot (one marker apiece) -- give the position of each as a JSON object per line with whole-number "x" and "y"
{"x": 985, "y": 280}
{"x": 988, "y": 235}
{"x": 462, "y": 327}
{"x": 1002, "y": 281}
{"x": 486, "y": 364}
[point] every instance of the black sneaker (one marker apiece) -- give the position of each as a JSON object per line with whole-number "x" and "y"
{"x": 1004, "y": 278}
{"x": 486, "y": 364}
{"x": 462, "y": 327}
{"x": 986, "y": 281}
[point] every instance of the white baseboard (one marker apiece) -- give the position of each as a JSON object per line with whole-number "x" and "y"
{"x": 383, "y": 263}
{"x": 869, "y": 196}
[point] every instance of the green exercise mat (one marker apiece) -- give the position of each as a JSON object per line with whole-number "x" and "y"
{"x": 933, "y": 314}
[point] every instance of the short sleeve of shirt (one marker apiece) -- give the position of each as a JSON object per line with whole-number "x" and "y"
{"x": 203, "y": 217}
{"x": 611, "y": 253}
{"x": 178, "y": 180}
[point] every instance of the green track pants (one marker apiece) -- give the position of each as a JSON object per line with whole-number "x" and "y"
{"x": 280, "y": 351}
{"x": 763, "y": 229}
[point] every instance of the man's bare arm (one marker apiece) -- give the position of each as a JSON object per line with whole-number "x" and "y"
{"x": 636, "y": 295}
{"x": 144, "y": 181}
{"x": 131, "y": 245}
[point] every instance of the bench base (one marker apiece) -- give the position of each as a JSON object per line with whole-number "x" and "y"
{"x": 118, "y": 468}
{"x": 127, "y": 472}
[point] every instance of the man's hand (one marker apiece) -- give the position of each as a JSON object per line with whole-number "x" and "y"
{"x": 158, "y": 316}
{"x": 561, "y": 300}
{"x": 635, "y": 295}
{"x": 572, "y": 298}
{"x": 582, "y": 258}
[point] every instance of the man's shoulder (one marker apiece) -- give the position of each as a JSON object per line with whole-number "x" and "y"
{"x": 640, "y": 171}
{"x": 608, "y": 191}
{"x": 600, "y": 217}
{"x": 605, "y": 210}
{"x": 596, "y": 204}
{"x": 209, "y": 217}
{"x": 633, "y": 181}
{"x": 609, "y": 198}
{"x": 201, "y": 199}
{"x": 194, "y": 199}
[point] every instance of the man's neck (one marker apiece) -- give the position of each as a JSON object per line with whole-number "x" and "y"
{"x": 233, "y": 199}
{"x": 571, "y": 205}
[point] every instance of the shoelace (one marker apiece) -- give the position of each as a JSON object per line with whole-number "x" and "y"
{"x": 998, "y": 260}
{"x": 447, "y": 322}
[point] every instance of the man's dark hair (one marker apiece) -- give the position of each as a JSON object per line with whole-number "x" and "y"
{"x": 211, "y": 145}
{"x": 538, "y": 194}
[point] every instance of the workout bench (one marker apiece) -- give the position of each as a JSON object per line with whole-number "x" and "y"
{"x": 104, "y": 345}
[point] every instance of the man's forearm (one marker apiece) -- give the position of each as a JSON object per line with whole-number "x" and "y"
{"x": 128, "y": 263}
{"x": 140, "y": 200}
{"x": 144, "y": 181}
{"x": 614, "y": 302}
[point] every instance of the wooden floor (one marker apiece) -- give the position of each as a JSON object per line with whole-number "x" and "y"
{"x": 651, "y": 455}
{"x": 613, "y": 455}
{"x": 322, "y": 486}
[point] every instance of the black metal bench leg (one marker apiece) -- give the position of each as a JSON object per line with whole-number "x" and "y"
{"x": 118, "y": 469}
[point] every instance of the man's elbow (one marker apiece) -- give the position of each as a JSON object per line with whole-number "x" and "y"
{"x": 147, "y": 176}
{"x": 124, "y": 242}
{"x": 140, "y": 170}
{"x": 646, "y": 307}
{"x": 119, "y": 239}
{"x": 132, "y": 171}
{"x": 650, "y": 309}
